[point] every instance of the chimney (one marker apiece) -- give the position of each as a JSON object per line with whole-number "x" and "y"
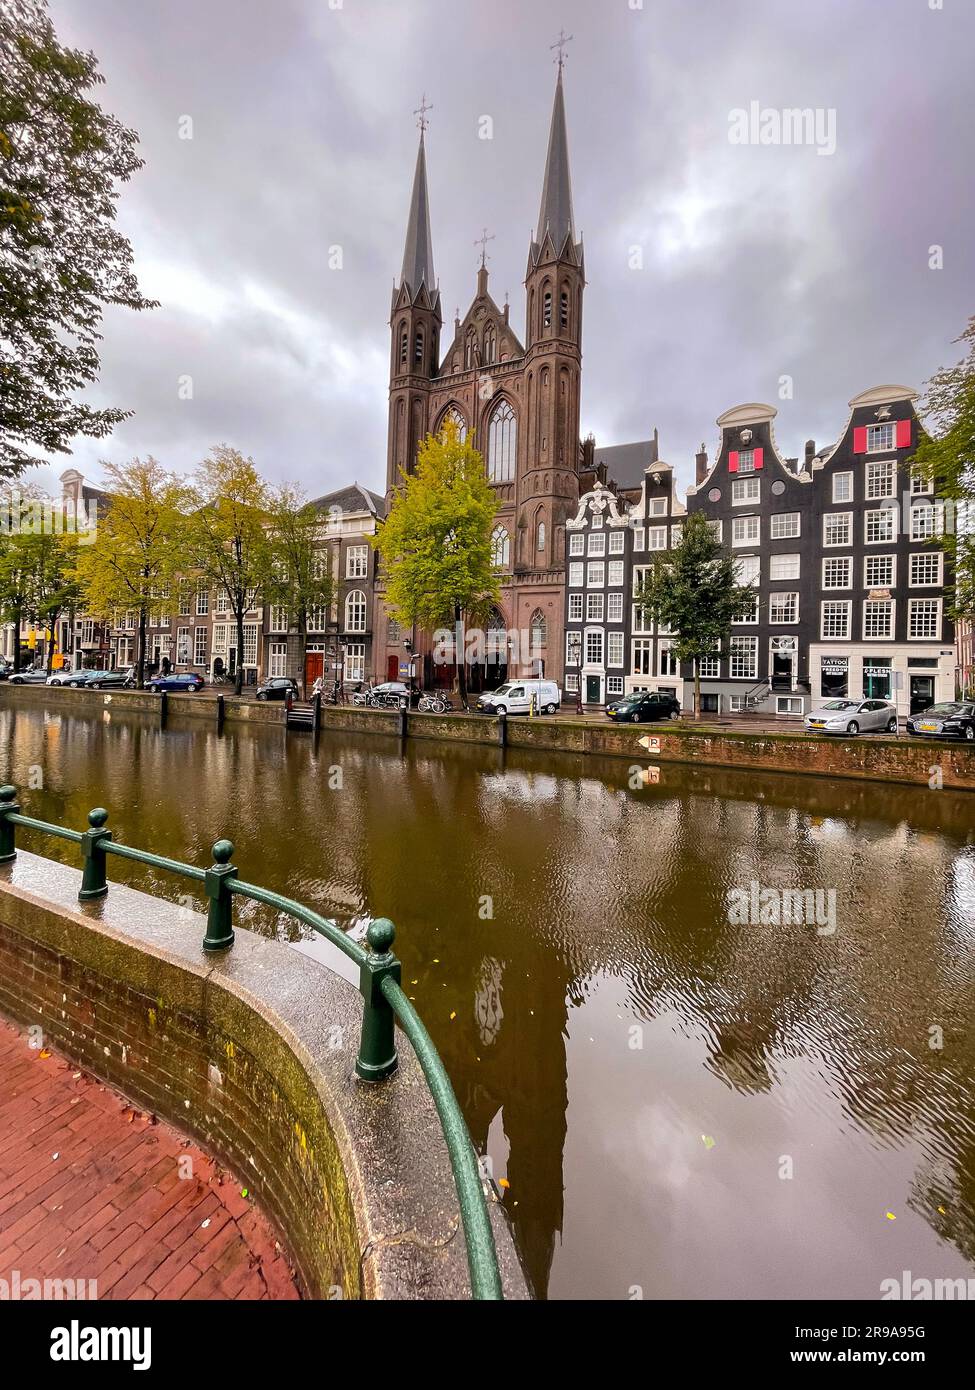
{"x": 810, "y": 452}
{"x": 701, "y": 469}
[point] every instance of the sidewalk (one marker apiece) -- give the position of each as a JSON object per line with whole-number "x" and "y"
{"x": 93, "y": 1189}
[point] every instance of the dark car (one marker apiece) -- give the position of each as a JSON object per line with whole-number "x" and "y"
{"x": 277, "y": 688}
{"x": 32, "y": 677}
{"x": 189, "y": 680}
{"x": 952, "y": 719}
{"x": 644, "y": 705}
{"x": 122, "y": 678}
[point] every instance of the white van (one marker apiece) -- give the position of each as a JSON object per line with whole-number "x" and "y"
{"x": 516, "y": 697}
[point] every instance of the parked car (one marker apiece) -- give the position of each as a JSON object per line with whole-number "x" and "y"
{"x": 644, "y": 705}
{"x": 35, "y": 676}
{"x": 515, "y": 697}
{"x": 73, "y": 678}
{"x": 186, "y": 681}
{"x": 122, "y": 678}
{"x": 852, "y": 717}
{"x": 389, "y": 693}
{"x": 277, "y": 688}
{"x": 951, "y": 719}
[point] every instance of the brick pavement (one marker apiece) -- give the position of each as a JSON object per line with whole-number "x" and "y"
{"x": 93, "y": 1188}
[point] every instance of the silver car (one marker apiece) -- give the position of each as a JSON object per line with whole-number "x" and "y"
{"x": 852, "y": 717}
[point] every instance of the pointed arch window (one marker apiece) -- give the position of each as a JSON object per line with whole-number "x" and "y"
{"x": 538, "y": 630}
{"x": 355, "y": 611}
{"x": 452, "y": 416}
{"x": 500, "y": 548}
{"x": 547, "y": 309}
{"x": 469, "y": 354}
{"x": 502, "y": 444}
{"x": 564, "y": 311}
{"x": 540, "y": 536}
{"x": 490, "y": 343}
{"x": 404, "y": 346}
{"x": 418, "y": 348}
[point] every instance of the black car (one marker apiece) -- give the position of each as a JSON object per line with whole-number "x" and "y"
{"x": 277, "y": 688}
{"x": 952, "y": 719}
{"x": 644, "y": 705}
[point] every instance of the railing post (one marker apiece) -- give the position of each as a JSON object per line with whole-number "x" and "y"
{"x": 8, "y": 805}
{"x": 377, "y": 1046}
{"x": 93, "y": 881}
{"x": 316, "y": 712}
{"x": 503, "y": 728}
{"x": 220, "y": 912}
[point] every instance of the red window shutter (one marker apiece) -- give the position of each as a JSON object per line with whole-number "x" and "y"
{"x": 758, "y": 457}
{"x": 733, "y": 461}
{"x": 903, "y": 434}
{"x": 860, "y": 439}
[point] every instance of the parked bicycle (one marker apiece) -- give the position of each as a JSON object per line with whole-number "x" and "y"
{"x": 433, "y": 704}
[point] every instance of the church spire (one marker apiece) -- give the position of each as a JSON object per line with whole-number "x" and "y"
{"x": 418, "y": 252}
{"x": 555, "y": 212}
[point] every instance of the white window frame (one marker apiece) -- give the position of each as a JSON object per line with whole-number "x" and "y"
{"x": 879, "y": 584}
{"x": 576, "y": 575}
{"x": 885, "y": 442}
{"x": 870, "y": 605}
{"x": 614, "y": 607}
{"x": 778, "y": 598}
{"x": 747, "y": 490}
{"x": 597, "y": 543}
{"x": 938, "y": 557}
{"x": 847, "y": 479}
{"x": 832, "y": 518}
{"x": 614, "y": 573}
{"x": 781, "y": 535}
{"x": 839, "y": 604}
{"x": 614, "y": 649}
{"x": 577, "y": 543}
{"x": 795, "y": 570}
{"x": 617, "y": 541}
{"x": 889, "y": 478}
{"x": 870, "y": 516}
{"x": 596, "y": 574}
{"x": 738, "y": 646}
{"x": 913, "y": 605}
{"x": 595, "y": 607}
{"x": 746, "y": 530}
{"x": 844, "y": 560}
{"x": 357, "y": 562}
{"x": 575, "y": 607}
{"x": 277, "y": 659}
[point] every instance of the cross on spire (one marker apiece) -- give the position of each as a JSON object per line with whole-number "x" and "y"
{"x": 482, "y": 242}
{"x": 563, "y": 39}
{"x": 421, "y": 113}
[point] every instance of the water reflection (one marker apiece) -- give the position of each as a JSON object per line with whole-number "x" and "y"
{"x": 678, "y": 1104}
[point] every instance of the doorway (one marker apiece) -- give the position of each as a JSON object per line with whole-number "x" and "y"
{"x": 314, "y": 667}
{"x": 594, "y": 690}
{"x": 922, "y": 693}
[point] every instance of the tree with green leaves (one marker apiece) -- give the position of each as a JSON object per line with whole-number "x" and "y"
{"x": 297, "y": 573}
{"x": 62, "y": 259}
{"x": 945, "y": 457}
{"x": 225, "y": 537}
{"x": 135, "y": 553}
{"x": 37, "y": 579}
{"x": 693, "y": 590}
{"x": 435, "y": 543}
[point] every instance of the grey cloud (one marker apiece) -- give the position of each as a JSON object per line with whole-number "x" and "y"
{"x": 758, "y": 262}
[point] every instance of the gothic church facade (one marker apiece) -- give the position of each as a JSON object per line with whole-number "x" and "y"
{"x": 521, "y": 399}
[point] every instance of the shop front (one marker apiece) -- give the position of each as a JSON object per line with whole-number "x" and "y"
{"x": 911, "y": 679}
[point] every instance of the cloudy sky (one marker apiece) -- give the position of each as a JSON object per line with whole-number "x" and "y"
{"x": 758, "y": 261}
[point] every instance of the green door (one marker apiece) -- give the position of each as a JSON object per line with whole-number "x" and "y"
{"x": 593, "y": 690}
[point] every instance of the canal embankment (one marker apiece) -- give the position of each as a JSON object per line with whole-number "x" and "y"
{"x": 253, "y": 1054}
{"x": 870, "y": 757}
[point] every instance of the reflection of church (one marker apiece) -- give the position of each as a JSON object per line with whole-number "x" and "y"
{"x": 521, "y": 401}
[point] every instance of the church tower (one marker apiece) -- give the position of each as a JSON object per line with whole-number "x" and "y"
{"x": 415, "y": 321}
{"x": 554, "y": 286}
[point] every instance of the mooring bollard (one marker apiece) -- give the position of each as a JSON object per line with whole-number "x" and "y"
{"x": 377, "y": 1045}
{"x": 221, "y": 713}
{"x": 404, "y": 715}
{"x": 8, "y": 841}
{"x": 316, "y": 713}
{"x": 93, "y": 881}
{"x": 503, "y": 729}
{"x": 163, "y": 708}
{"x": 220, "y": 911}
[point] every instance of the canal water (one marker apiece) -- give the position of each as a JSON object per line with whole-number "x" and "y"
{"x": 675, "y": 1104}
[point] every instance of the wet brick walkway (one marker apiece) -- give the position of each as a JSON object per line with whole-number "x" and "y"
{"x": 91, "y": 1188}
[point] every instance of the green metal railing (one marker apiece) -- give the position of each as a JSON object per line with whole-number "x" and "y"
{"x": 379, "y": 983}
